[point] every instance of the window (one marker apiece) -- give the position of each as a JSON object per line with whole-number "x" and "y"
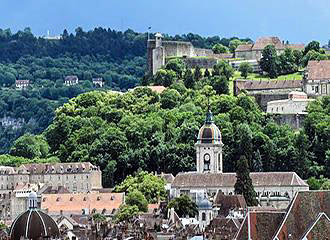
{"x": 316, "y": 89}
{"x": 203, "y": 216}
{"x": 207, "y": 162}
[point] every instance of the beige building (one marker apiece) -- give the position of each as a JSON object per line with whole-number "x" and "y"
{"x": 295, "y": 104}
{"x": 22, "y": 84}
{"x": 317, "y": 78}
{"x": 17, "y": 182}
{"x": 254, "y": 51}
{"x": 71, "y": 80}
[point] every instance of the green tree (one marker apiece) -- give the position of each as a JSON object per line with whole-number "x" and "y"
{"x": 151, "y": 186}
{"x": 30, "y": 146}
{"x": 245, "y": 68}
{"x": 223, "y": 68}
{"x": 269, "y": 61}
{"x": 233, "y": 44}
{"x": 98, "y": 221}
{"x": 165, "y": 77}
{"x": 188, "y": 79}
{"x": 327, "y": 164}
{"x": 287, "y": 62}
{"x": 219, "y": 48}
{"x": 312, "y": 55}
{"x": 170, "y": 98}
{"x": 198, "y": 73}
{"x": 183, "y": 206}
{"x": 313, "y": 45}
{"x": 220, "y": 84}
{"x": 136, "y": 198}
{"x": 207, "y": 73}
{"x": 176, "y": 65}
{"x": 243, "y": 183}
{"x": 126, "y": 213}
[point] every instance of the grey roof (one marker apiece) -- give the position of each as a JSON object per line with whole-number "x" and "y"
{"x": 202, "y": 180}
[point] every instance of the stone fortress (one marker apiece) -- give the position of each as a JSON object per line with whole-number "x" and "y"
{"x": 158, "y": 51}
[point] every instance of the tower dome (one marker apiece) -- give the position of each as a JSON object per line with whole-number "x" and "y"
{"x": 209, "y": 132}
{"x": 33, "y": 224}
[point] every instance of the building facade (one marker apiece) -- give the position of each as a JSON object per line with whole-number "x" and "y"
{"x": 22, "y": 84}
{"x": 274, "y": 189}
{"x": 254, "y": 51}
{"x": 317, "y": 78}
{"x": 71, "y": 80}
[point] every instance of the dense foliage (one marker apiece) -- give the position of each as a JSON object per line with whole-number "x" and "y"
{"x": 150, "y": 186}
{"x": 156, "y": 132}
{"x": 183, "y": 206}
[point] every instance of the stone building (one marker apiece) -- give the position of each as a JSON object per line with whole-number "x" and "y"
{"x": 10, "y": 122}
{"x": 295, "y": 104}
{"x": 71, "y": 80}
{"x": 265, "y": 91}
{"x": 158, "y": 51}
{"x": 273, "y": 188}
{"x": 22, "y": 84}
{"x": 317, "y": 78}
{"x": 254, "y": 51}
{"x": 17, "y": 182}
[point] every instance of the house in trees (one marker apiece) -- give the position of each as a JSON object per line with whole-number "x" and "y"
{"x": 71, "y": 80}
{"x": 22, "y": 84}
{"x": 98, "y": 82}
{"x": 317, "y": 78}
{"x": 274, "y": 189}
{"x": 254, "y": 51}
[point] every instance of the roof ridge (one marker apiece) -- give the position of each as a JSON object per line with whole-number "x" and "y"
{"x": 313, "y": 223}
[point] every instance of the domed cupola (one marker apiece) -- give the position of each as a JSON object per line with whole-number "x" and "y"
{"x": 33, "y": 224}
{"x": 209, "y": 132}
{"x": 209, "y": 147}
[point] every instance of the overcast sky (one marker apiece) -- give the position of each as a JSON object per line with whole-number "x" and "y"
{"x": 295, "y": 20}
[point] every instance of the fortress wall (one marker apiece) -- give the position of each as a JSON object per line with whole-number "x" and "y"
{"x": 263, "y": 98}
{"x": 294, "y": 120}
{"x": 201, "y": 62}
{"x": 202, "y": 52}
{"x": 178, "y": 49}
{"x": 158, "y": 57}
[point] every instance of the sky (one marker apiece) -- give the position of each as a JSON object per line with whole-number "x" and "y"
{"x": 298, "y": 21}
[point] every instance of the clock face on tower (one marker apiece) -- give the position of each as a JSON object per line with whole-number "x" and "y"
{"x": 206, "y": 157}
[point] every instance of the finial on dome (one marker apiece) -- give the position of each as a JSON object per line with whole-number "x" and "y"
{"x": 209, "y": 116}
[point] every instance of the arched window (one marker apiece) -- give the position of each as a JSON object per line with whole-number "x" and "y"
{"x": 207, "y": 159}
{"x": 203, "y": 216}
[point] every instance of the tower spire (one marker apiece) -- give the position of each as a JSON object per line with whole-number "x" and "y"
{"x": 209, "y": 115}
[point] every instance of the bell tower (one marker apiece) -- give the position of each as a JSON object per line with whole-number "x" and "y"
{"x": 209, "y": 147}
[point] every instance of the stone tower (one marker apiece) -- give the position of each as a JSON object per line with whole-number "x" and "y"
{"x": 209, "y": 147}
{"x": 156, "y": 53}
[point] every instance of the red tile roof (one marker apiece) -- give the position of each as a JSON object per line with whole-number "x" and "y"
{"x": 296, "y": 46}
{"x": 302, "y": 213}
{"x": 74, "y": 203}
{"x": 318, "y": 70}
{"x": 319, "y": 229}
{"x": 263, "y": 225}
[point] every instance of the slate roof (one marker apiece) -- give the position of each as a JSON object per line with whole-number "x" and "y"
{"x": 73, "y": 203}
{"x": 229, "y": 202}
{"x": 202, "y": 180}
{"x": 318, "y": 70}
{"x": 263, "y": 225}
{"x": 267, "y": 84}
{"x": 302, "y": 213}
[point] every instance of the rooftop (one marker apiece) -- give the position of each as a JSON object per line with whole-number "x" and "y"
{"x": 318, "y": 70}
